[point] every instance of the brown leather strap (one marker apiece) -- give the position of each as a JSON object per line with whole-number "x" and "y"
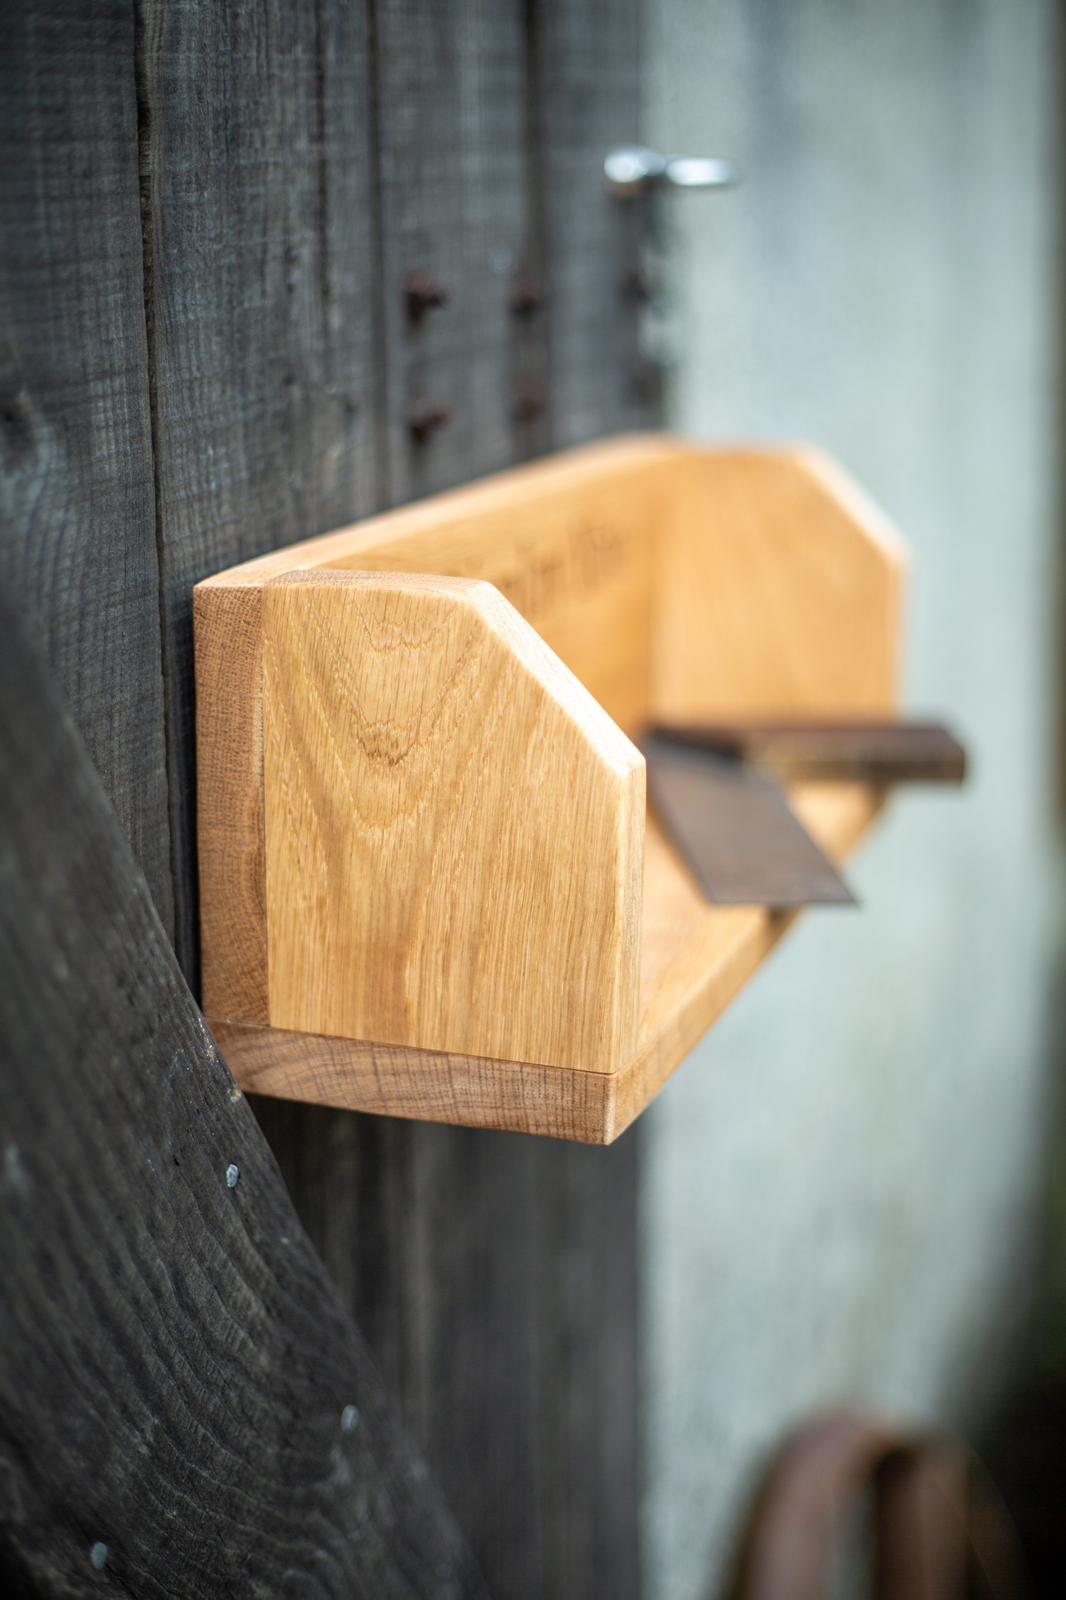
{"x": 920, "y": 1501}
{"x": 940, "y": 1532}
{"x": 736, "y": 830}
{"x": 867, "y": 751}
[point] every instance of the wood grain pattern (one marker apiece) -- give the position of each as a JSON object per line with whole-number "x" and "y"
{"x": 779, "y": 593}
{"x": 77, "y": 512}
{"x": 230, "y": 832}
{"x": 695, "y": 959}
{"x": 565, "y": 541}
{"x": 260, "y": 291}
{"x": 354, "y": 888}
{"x": 588, "y": 60}
{"x": 185, "y": 1409}
{"x": 454, "y": 827}
{"x": 270, "y": 388}
{"x": 440, "y": 1238}
{"x": 568, "y": 541}
{"x": 455, "y": 196}
{"x": 520, "y": 1251}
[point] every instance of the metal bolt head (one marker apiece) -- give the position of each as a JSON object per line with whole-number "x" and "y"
{"x": 423, "y": 293}
{"x": 530, "y": 401}
{"x": 424, "y": 419}
{"x": 527, "y": 297}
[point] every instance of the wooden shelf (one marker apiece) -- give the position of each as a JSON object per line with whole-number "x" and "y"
{"x": 695, "y": 960}
{"x": 421, "y": 820}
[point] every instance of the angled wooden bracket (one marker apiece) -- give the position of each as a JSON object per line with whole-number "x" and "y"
{"x": 430, "y": 885}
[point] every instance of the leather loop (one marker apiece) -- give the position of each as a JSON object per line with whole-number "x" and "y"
{"x": 939, "y": 1530}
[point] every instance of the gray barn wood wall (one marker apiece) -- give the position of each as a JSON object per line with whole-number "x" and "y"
{"x": 209, "y": 212}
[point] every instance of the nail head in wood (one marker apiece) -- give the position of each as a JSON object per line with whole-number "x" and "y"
{"x": 527, "y": 297}
{"x": 530, "y": 401}
{"x": 423, "y": 293}
{"x": 424, "y": 420}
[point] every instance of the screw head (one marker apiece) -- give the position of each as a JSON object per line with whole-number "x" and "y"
{"x": 424, "y": 419}
{"x": 423, "y": 293}
{"x": 529, "y": 402}
{"x": 527, "y": 296}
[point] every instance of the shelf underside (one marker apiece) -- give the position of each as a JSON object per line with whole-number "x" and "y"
{"x": 695, "y": 958}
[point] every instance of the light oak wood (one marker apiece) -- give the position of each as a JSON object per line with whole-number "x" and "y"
{"x": 695, "y": 961}
{"x": 566, "y": 540}
{"x": 441, "y": 973}
{"x": 227, "y": 624}
{"x": 778, "y": 592}
{"x": 454, "y": 826}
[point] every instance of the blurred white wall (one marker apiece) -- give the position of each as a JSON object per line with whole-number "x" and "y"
{"x": 843, "y": 1181}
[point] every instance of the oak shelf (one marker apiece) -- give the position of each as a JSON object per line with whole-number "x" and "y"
{"x": 387, "y": 753}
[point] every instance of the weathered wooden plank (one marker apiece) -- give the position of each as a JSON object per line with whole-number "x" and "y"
{"x": 77, "y": 519}
{"x": 444, "y": 1242}
{"x": 587, "y": 1360}
{"x": 436, "y": 1238}
{"x": 455, "y": 224}
{"x": 586, "y": 57}
{"x": 584, "y": 71}
{"x": 260, "y": 290}
{"x": 184, "y": 1409}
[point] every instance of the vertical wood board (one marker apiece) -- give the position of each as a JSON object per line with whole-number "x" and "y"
{"x": 454, "y": 177}
{"x": 185, "y": 1409}
{"x": 77, "y": 512}
{"x": 587, "y": 63}
{"x": 260, "y": 286}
